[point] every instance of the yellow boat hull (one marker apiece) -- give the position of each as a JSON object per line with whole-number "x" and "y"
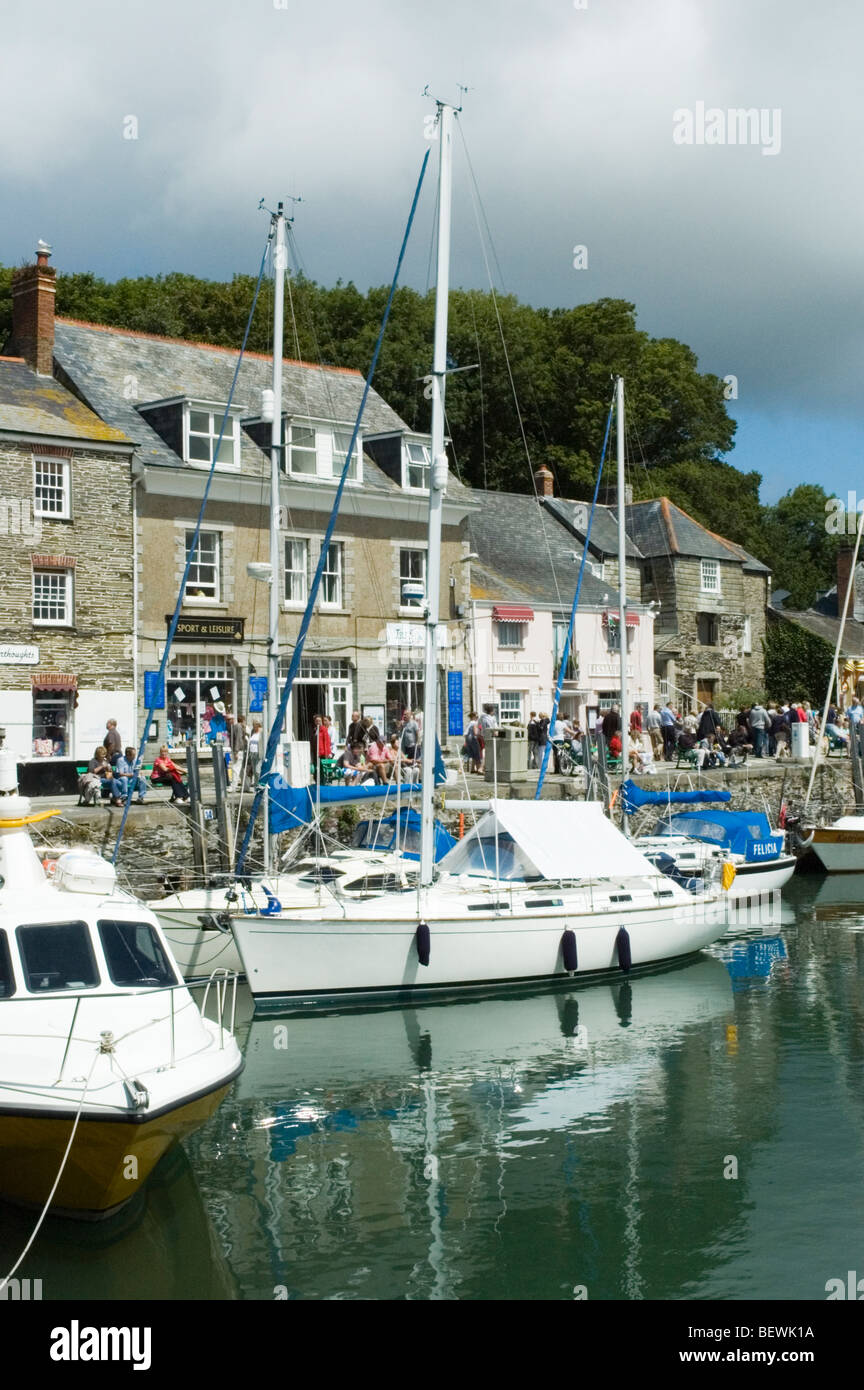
{"x": 109, "y": 1160}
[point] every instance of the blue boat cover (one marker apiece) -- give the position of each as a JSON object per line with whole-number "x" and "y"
{"x": 381, "y": 835}
{"x": 634, "y": 797}
{"x": 740, "y": 832}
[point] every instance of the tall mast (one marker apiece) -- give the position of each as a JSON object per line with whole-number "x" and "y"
{"x": 622, "y": 578}
{"x": 437, "y": 488}
{"x": 280, "y": 260}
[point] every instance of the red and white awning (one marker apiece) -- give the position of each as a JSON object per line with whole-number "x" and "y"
{"x": 632, "y": 619}
{"x": 512, "y": 613}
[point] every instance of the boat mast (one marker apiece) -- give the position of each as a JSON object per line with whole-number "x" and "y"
{"x": 622, "y": 579}
{"x": 437, "y": 488}
{"x": 280, "y": 260}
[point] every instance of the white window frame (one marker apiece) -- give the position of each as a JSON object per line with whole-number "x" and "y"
{"x": 65, "y": 575}
{"x": 418, "y": 604}
{"x": 331, "y": 444}
{"x": 63, "y": 464}
{"x": 408, "y": 463}
{"x": 510, "y": 646}
{"x": 216, "y": 596}
{"x": 231, "y": 437}
{"x": 302, "y": 571}
{"x": 709, "y": 570}
{"x": 509, "y": 717}
{"x": 337, "y": 548}
{"x": 747, "y": 638}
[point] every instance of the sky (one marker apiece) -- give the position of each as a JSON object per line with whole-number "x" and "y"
{"x": 601, "y": 124}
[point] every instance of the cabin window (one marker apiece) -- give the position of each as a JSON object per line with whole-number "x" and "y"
{"x": 135, "y": 955}
{"x": 7, "y": 979}
{"x": 57, "y": 956}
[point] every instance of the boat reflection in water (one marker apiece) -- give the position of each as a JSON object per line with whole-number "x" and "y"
{"x": 388, "y": 1154}
{"x": 834, "y": 897}
{"x": 160, "y": 1245}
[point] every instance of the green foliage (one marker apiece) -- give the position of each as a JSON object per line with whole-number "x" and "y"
{"x": 561, "y": 362}
{"x": 797, "y": 663}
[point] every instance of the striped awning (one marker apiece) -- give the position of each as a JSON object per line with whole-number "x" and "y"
{"x": 632, "y": 619}
{"x": 512, "y": 613}
{"x": 53, "y": 680}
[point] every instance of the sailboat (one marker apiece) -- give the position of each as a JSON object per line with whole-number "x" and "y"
{"x": 535, "y": 892}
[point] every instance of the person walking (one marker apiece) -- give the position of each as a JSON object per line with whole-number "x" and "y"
{"x": 533, "y": 741}
{"x": 653, "y": 725}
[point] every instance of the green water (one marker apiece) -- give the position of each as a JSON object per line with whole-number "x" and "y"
{"x": 559, "y": 1145}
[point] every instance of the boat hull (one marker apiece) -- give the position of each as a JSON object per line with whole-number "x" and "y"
{"x": 110, "y": 1158}
{"x": 322, "y": 963}
{"x": 839, "y": 851}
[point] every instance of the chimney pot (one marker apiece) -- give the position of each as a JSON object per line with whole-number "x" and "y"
{"x": 544, "y": 481}
{"x": 33, "y": 292}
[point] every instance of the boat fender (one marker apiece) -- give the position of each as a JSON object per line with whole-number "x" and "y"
{"x": 424, "y": 942}
{"x": 568, "y": 951}
{"x": 622, "y": 945}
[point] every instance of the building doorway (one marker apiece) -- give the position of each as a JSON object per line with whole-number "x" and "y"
{"x": 705, "y": 691}
{"x": 52, "y": 723}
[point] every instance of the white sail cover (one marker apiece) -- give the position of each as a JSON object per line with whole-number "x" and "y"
{"x": 556, "y": 839}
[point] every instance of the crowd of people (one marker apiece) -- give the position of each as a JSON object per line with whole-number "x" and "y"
{"x": 368, "y": 757}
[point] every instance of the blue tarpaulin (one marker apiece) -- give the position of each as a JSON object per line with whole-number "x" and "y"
{"x": 634, "y": 797}
{"x": 740, "y": 832}
{"x": 381, "y": 835}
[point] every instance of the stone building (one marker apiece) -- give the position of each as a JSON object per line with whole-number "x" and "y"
{"x": 711, "y": 598}
{"x": 365, "y": 646}
{"x": 66, "y": 547}
{"x": 707, "y": 596}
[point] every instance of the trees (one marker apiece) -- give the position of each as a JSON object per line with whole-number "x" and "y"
{"x": 540, "y": 393}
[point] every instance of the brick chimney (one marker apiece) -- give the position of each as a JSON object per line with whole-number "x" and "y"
{"x": 844, "y": 574}
{"x": 544, "y": 482}
{"x": 33, "y": 290}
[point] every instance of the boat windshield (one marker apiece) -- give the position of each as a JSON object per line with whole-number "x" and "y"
{"x": 57, "y": 956}
{"x": 135, "y": 955}
{"x": 7, "y": 979}
{"x": 478, "y": 855}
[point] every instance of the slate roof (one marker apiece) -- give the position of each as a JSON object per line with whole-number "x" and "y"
{"x": 104, "y": 363}
{"x": 660, "y": 528}
{"x": 604, "y": 528}
{"x": 32, "y": 404}
{"x": 826, "y": 625}
{"x": 523, "y": 550}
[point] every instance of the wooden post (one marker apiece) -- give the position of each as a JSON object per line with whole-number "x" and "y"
{"x": 196, "y": 813}
{"x": 223, "y": 815}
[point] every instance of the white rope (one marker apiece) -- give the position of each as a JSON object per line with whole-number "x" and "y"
{"x": 60, "y": 1171}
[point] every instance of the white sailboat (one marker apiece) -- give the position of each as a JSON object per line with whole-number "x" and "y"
{"x": 535, "y": 892}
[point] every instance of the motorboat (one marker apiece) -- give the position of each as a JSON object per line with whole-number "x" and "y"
{"x": 106, "y": 1060}
{"x": 839, "y": 846}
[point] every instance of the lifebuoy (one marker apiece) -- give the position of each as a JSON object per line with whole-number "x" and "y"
{"x": 50, "y": 866}
{"x": 569, "y": 954}
{"x": 424, "y": 942}
{"x": 622, "y": 946}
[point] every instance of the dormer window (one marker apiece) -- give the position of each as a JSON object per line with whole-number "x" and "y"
{"x": 202, "y": 427}
{"x": 315, "y": 450}
{"x": 416, "y": 465}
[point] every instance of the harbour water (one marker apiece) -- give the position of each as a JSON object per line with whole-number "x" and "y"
{"x": 694, "y": 1134}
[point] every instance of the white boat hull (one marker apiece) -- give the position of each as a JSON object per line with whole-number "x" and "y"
{"x": 322, "y": 962}
{"x": 840, "y": 847}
